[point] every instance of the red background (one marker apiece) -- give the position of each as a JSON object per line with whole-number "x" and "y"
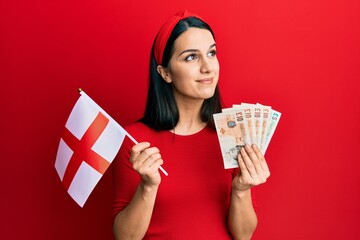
{"x": 302, "y": 57}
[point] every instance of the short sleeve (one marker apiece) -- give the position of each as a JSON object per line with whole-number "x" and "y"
{"x": 125, "y": 178}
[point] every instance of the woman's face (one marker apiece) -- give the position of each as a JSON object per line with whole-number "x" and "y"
{"x": 194, "y": 67}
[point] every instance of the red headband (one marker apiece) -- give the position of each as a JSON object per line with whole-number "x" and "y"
{"x": 165, "y": 31}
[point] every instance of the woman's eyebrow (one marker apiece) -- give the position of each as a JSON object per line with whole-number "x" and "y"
{"x": 213, "y": 45}
{"x": 195, "y": 50}
{"x": 188, "y": 50}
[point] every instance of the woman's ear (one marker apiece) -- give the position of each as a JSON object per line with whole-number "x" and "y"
{"x": 164, "y": 73}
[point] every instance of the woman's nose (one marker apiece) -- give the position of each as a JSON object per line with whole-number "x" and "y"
{"x": 206, "y": 66}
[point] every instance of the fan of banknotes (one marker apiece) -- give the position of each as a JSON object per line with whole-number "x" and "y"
{"x": 244, "y": 124}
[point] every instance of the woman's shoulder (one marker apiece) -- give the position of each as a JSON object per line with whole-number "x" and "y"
{"x": 136, "y": 126}
{"x": 139, "y": 129}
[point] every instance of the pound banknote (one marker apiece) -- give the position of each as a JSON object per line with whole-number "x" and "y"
{"x": 244, "y": 124}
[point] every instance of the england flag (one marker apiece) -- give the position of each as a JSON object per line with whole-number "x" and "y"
{"x": 89, "y": 144}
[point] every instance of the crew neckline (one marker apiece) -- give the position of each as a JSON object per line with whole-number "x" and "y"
{"x": 189, "y": 135}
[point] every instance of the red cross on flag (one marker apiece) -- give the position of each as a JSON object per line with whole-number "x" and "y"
{"x": 87, "y": 147}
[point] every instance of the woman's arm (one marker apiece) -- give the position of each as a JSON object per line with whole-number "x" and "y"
{"x": 133, "y": 221}
{"x": 242, "y": 218}
{"x": 254, "y": 171}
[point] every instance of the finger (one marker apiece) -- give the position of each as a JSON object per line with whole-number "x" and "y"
{"x": 254, "y": 158}
{"x": 137, "y": 149}
{"x": 145, "y": 154}
{"x": 156, "y": 165}
{"x": 243, "y": 169}
{"x": 261, "y": 158}
{"x": 255, "y": 178}
{"x": 151, "y": 165}
{"x": 151, "y": 160}
{"x": 248, "y": 162}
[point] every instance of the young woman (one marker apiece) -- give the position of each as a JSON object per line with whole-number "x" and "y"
{"x": 199, "y": 199}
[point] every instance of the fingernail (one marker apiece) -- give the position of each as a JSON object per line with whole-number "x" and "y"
{"x": 242, "y": 149}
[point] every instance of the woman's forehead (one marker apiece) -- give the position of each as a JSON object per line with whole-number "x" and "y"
{"x": 194, "y": 38}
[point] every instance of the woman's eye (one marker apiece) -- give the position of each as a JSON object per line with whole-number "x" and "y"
{"x": 212, "y": 53}
{"x": 191, "y": 57}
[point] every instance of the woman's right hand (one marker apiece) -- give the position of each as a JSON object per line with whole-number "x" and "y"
{"x": 146, "y": 161}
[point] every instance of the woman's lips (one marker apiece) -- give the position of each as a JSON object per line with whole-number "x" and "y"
{"x": 205, "y": 80}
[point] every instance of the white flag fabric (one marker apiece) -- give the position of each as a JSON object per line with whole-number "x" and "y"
{"x": 89, "y": 144}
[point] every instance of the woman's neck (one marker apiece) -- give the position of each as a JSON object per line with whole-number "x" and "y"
{"x": 189, "y": 119}
{"x": 188, "y": 127}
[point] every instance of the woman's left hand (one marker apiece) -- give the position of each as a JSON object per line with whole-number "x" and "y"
{"x": 253, "y": 169}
